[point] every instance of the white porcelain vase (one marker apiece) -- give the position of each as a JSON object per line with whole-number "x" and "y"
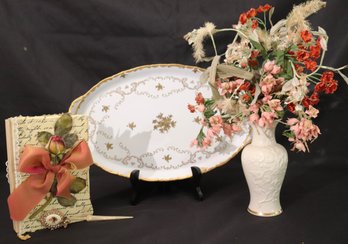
{"x": 264, "y": 164}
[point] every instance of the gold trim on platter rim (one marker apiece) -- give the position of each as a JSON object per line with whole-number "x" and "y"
{"x": 260, "y": 214}
{"x": 80, "y": 99}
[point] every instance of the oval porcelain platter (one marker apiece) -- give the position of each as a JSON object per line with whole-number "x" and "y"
{"x": 138, "y": 119}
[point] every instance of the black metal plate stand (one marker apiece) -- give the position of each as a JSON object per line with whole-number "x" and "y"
{"x": 136, "y": 184}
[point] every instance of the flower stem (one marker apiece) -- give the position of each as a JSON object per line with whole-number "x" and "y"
{"x": 48, "y": 201}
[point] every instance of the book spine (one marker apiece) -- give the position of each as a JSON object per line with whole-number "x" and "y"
{"x": 11, "y": 161}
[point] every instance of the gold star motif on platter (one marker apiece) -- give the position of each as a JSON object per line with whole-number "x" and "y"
{"x": 167, "y": 158}
{"x": 159, "y": 87}
{"x": 105, "y": 108}
{"x": 131, "y": 125}
{"x": 197, "y": 120}
{"x": 109, "y": 146}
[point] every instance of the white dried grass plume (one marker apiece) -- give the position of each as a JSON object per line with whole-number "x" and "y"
{"x": 196, "y": 38}
{"x": 264, "y": 38}
{"x": 296, "y": 20}
{"x": 229, "y": 106}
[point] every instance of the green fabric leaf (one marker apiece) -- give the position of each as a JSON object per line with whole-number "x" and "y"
{"x": 53, "y": 189}
{"x": 43, "y": 137}
{"x": 67, "y": 202}
{"x": 69, "y": 140}
{"x": 259, "y": 47}
{"x": 63, "y": 125}
{"x": 209, "y": 102}
{"x": 209, "y": 113}
{"x": 279, "y": 56}
{"x": 78, "y": 185}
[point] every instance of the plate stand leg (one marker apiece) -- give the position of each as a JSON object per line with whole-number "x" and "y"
{"x": 135, "y": 182}
{"x": 196, "y": 180}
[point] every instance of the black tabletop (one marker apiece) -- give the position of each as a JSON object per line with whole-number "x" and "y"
{"x": 53, "y": 51}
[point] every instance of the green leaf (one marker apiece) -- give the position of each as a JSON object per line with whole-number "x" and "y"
{"x": 200, "y": 137}
{"x": 209, "y": 102}
{"x": 288, "y": 133}
{"x": 78, "y": 185}
{"x": 259, "y": 47}
{"x": 63, "y": 125}
{"x": 67, "y": 202}
{"x": 43, "y": 137}
{"x": 69, "y": 140}
{"x": 279, "y": 56}
{"x": 209, "y": 113}
{"x": 53, "y": 189}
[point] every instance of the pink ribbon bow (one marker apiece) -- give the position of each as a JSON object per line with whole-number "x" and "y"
{"x": 36, "y": 161}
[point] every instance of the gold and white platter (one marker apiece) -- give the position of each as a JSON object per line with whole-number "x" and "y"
{"x": 138, "y": 119}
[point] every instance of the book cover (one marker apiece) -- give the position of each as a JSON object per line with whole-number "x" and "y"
{"x": 48, "y": 171}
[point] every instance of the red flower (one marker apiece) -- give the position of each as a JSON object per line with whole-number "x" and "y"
{"x": 331, "y": 87}
{"x": 319, "y": 87}
{"x": 299, "y": 68}
{"x": 246, "y": 97}
{"x": 191, "y": 108}
{"x": 243, "y": 18}
{"x": 291, "y": 53}
{"x": 199, "y": 98}
{"x": 314, "y": 98}
{"x": 251, "y": 13}
{"x": 253, "y": 63}
{"x": 315, "y": 51}
{"x": 310, "y": 64}
{"x": 302, "y": 56}
{"x": 254, "y": 53}
{"x": 56, "y": 145}
{"x": 306, "y": 102}
{"x": 245, "y": 86}
{"x": 254, "y": 24}
{"x": 264, "y": 8}
{"x": 306, "y": 36}
{"x": 291, "y": 107}
{"x": 327, "y": 76}
{"x": 327, "y": 84}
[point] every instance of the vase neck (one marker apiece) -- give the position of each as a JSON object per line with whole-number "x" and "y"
{"x": 263, "y": 136}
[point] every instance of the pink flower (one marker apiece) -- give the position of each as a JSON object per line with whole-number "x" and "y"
{"x": 267, "y": 119}
{"x": 292, "y": 121}
{"x": 299, "y": 146}
{"x": 275, "y": 105}
{"x": 229, "y": 87}
{"x": 304, "y": 129}
{"x": 266, "y": 98}
{"x": 230, "y": 129}
{"x": 201, "y": 108}
{"x": 254, "y": 118}
{"x": 206, "y": 142}
{"x": 227, "y": 129}
{"x": 312, "y": 111}
{"x": 267, "y": 84}
{"x": 194, "y": 143}
{"x": 211, "y": 132}
{"x": 269, "y": 65}
{"x": 216, "y": 123}
{"x": 254, "y": 108}
{"x": 261, "y": 122}
{"x": 276, "y": 70}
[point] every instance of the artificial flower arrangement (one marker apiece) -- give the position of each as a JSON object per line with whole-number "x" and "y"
{"x": 271, "y": 73}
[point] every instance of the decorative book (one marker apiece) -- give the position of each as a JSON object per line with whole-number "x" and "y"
{"x": 48, "y": 171}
